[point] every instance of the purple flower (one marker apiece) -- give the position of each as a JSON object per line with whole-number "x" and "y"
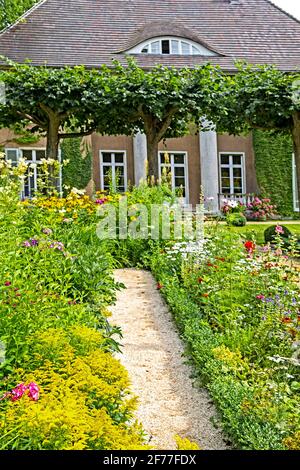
{"x": 57, "y": 246}
{"x": 33, "y": 242}
{"x": 100, "y": 201}
{"x": 27, "y": 244}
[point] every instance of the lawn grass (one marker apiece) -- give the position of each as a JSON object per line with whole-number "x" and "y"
{"x": 257, "y": 230}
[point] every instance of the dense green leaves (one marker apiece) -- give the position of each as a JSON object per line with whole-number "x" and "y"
{"x": 11, "y": 10}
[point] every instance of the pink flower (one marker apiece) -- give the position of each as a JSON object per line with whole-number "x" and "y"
{"x": 279, "y": 230}
{"x": 18, "y": 392}
{"x": 7, "y": 283}
{"x": 260, "y": 297}
{"x": 33, "y": 391}
{"x": 100, "y": 201}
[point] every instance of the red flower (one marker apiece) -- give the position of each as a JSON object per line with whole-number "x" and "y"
{"x": 7, "y": 283}
{"x": 159, "y": 286}
{"x": 250, "y": 246}
{"x": 286, "y": 320}
{"x": 205, "y": 295}
{"x": 220, "y": 259}
{"x": 200, "y": 280}
{"x": 210, "y": 265}
{"x": 260, "y": 297}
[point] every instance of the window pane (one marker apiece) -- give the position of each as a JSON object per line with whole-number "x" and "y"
{"x": 119, "y": 157}
{"x": 155, "y": 47}
{"x": 224, "y": 159}
{"x": 179, "y": 182}
{"x": 237, "y": 159}
{"x": 12, "y": 155}
{"x": 165, "y": 158}
{"x": 175, "y": 47}
{"x": 27, "y": 154}
{"x": 195, "y": 51}
{"x": 179, "y": 171}
{"x": 106, "y": 157}
{"x": 165, "y": 46}
{"x": 185, "y": 48}
{"x": 225, "y": 182}
{"x": 237, "y": 182}
{"x": 225, "y": 172}
{"x": 40, "y": 154}
{"x": 238, "y": 190}
{"x": 237, "y": 172}
{"x": 145, "y": 50}
{"x": 226, "y": 190}
{"x": 179, "y": 158}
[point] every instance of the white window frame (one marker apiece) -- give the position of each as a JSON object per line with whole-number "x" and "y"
{"x": 19, "y": 152}
{"x": 113, "y": 166}
{"x": 231, "y": 166}
{"x": 202, "y": 50}
{"x": 295, "y": 187}
{"x": 171, "y": 165}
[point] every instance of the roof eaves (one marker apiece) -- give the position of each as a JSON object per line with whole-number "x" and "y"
{"x": 27, "y": 13}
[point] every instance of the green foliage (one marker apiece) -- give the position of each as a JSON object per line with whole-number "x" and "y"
{"x": 271, "y": 234}
{"x": 258, "y": 96}
{"x": 11, "y": 10}
{"x": 77, "y": 172}
{"x": 273, "y": 161}
{"x": 236, "y": 219}
{"x": 56, "y": 281}
{"x": 236, "y": 306}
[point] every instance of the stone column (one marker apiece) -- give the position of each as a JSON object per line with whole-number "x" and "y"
{"x": 140, "y": 158}
{"x": 210, "y": 169}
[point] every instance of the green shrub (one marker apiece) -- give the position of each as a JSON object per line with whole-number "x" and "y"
{"x": 271, "y": 233}
{"x": 237, "y": 220}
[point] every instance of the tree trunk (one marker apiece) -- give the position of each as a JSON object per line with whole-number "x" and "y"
{"x": 152, "y": 156}
{"x": 53, "y": 138}
{"x": 296, "y": 142}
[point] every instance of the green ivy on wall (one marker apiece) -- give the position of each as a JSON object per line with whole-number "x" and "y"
{"x": 77, "y": 172}
{"x": 273, "y": 160}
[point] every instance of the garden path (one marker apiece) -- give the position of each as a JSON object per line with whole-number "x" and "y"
{"x": 169, "y": 404}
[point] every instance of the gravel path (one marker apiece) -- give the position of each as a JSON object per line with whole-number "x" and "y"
{"x": 153, "y": 356}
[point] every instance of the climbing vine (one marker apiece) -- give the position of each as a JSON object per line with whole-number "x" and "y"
{"x": 77, "y": 164}
{"x": 274, "y": 168}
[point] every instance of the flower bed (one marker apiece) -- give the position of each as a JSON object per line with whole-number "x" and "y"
{"x": 60, "y": 386}
{"x": 238, "y": 308}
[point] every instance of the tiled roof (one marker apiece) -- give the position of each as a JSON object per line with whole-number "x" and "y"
{"x": 92, "y": 32}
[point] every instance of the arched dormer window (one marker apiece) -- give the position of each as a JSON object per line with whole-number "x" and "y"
{"x": 169, "y": 45}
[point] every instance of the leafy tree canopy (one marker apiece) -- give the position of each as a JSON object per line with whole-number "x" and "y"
{"x": 262, "y": 97}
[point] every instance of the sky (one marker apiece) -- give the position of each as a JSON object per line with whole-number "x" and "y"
{"x": 291, "y": 6}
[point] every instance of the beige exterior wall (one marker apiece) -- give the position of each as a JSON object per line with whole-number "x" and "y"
{"x": 100, "y": 142}
{"x": 189, "y": 144}
{"x": 227, "y": 143}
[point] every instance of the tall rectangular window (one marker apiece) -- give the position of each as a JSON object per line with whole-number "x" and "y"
{"x": 175, "y": 164}
{"x": 33, "y": 159}
{"x": 232, "y": 173}
{"x": 295, "y": 187}
{"x": 113, "y": 170}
